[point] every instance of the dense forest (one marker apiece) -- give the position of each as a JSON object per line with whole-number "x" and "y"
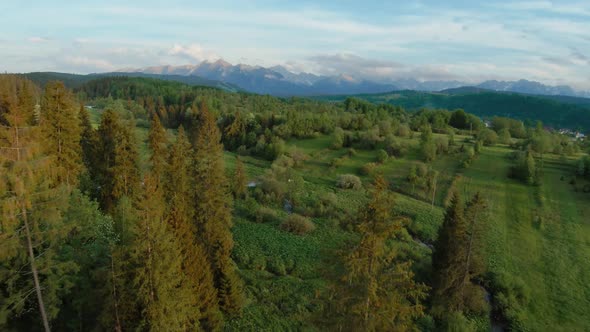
{"x": 149, "y": 205}
{"x": 555, "y": 111}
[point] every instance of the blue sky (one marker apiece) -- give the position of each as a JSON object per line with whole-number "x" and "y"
{"x": 381, "y": 40}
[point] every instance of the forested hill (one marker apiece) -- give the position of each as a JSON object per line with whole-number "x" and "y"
{"x": 74, "y": 81}
{"x": 553, "y": 111}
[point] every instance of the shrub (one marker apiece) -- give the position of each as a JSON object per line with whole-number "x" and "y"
{"x": 349, "y": 181}
{"x": 442, "y": 145}
{"x": 266, "y": 215}
{"x": 326, "y": 205}
{"x": 382, "y": 156}
{"x": 337, "y": 162}
{"x": 488, "y": 137}
{"x": 338, "y": 140}
{"x": 276, "y": 266}
{"x": 368, "y": 168}
{"x": 403, "y": 130}
{"x": 273, "y": 190}
{"x": 297, "y": 224}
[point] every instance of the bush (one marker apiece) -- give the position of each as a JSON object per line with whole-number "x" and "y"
{"x": 266, "y": 215}
{"x": 349, "y": 181}
{"x": 338, "y": 140}
{"x": 273, "y": 190}
{"x": 297, "y": 224}
{"x": 368, "y": 169}
{"x": 337, "y": 162}
{"x": 442, "y": 145}
{"x": 403, "y": 130}
{"x": 382, "y": 156}
{"x": 488, "y": 137}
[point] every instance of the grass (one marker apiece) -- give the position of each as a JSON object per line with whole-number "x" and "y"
{"x": 545, "y": 243}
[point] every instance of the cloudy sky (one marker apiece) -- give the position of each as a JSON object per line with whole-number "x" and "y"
{"x": 381, "y": 40}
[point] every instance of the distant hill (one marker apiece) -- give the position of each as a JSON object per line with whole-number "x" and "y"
{"x": 554, "y": 111}
{"x": 74, "y": 81}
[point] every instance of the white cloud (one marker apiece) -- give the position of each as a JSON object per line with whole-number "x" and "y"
{"x": 193, "y": 52}
{"x": 86, "y": 64}
{"x": 38, "y": 39}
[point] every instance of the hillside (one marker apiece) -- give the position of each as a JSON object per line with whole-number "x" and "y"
{"x": 74, "y": 81}
{"x": 554, "y": 111}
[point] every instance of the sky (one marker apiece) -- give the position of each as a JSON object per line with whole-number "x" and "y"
{"x": 471, "y": 41}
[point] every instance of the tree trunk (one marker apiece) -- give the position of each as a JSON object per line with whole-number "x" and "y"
{"x": 34, "y": 270}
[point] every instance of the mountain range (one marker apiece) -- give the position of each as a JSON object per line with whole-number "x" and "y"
{"x": 279, "y": 81}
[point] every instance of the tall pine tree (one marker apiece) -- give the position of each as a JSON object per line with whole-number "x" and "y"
{"x": 117, "y": 160}
{"x": 61, "y": 130}
{"x": 201, "y": 292}
{"x": 375, "y": 292}
{"x": 213, "y": 212}
{"x": 157, "y": 143}
{"x": 31, "y": 207}
{"x": 457, "y": 260}
{"x": 160, "y": 285}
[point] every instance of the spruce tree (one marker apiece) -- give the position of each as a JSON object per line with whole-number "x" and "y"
{"x": 213, "y": 212}
{"x": 239, "y": 183}
{"x": 88, "y": 139}
{"x": 375, "y": 292}
{"x": 117, "y": 160}
{"x": 31, "y": 207}
{"x": 200, "y": 289}
{"x": 449, "y": 260}
{"x": 155, "y": 253}
{"x": 61, "y": 130}
{"x": 157, "y": 142}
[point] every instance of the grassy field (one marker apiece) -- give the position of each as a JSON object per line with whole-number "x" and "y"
{"x": 540, "y": 238}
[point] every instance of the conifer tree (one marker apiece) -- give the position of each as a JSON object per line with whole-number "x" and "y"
{"x": 239, "y": 187}
{"x": 201, "y": 293}
{"x": 156, "y": 255}
{"x": 31, "y": 227}
{"x": 88, "y": 139}
{"x": 376, "y": 292}
{"x": 61, "y": 130}
{"x": 118, "y": 160}
{"x": 449, "y": 258}
{"x": 474, "y": 263}
{"x": 157, "y": 142}
{"x": 213, "y": 212}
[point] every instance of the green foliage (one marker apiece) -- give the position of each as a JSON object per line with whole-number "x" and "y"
{"x": 487, "y": 137}
{"x": 382, "y": 156}
{"x": 374, "y": 291}
{"x": 427, "y": 145}
{"x": 213, "y": 212}
{"x": 61, "y": 131}
{"x": 297, "y": 224}
{"x": 349, "y": 181}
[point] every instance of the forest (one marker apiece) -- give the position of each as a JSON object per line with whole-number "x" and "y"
{"x": 554, "y": 111}
{"x": 131, "y": 203}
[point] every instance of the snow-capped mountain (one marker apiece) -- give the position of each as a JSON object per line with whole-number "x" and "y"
{"x": 279, "y": 81}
